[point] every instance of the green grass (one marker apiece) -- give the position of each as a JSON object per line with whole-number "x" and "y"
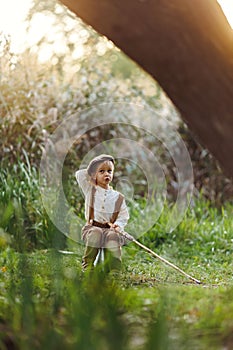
{"x": 23, "y": 219}
{"x": 46, "y": 302}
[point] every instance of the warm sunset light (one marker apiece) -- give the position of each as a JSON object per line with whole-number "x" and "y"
{"x": 12, "y": 15}
{"x": 13, "y": 12}
{"x": 227, "y": 7}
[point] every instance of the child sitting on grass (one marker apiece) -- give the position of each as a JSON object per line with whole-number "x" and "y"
{"x": 105, "y": 211}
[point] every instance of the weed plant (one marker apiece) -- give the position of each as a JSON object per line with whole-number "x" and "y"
{"x": 24, "y": 222}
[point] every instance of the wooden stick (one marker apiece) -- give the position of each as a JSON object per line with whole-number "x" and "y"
{"x": 132, "y": 239}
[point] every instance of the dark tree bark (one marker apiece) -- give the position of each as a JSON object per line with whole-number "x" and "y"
{"x": 187, "y": 46}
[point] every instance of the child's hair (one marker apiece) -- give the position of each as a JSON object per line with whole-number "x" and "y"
{"x": 95, "y": 162}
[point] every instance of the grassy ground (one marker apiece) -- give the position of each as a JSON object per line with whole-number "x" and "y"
{"x": 48, "y": 303}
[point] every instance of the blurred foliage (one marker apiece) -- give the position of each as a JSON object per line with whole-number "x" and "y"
{"x": 45, "y": 300}
{"x": 209, "y": 179}
{"x": 24, "y": 224}
{"x": 35, "y": 96}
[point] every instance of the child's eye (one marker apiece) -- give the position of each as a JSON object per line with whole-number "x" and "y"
{"x": 110, "y": 171}
{"x": 101, "y": 171}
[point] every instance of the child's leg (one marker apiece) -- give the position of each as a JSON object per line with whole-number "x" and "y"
{"x": 93, "y": 237}
{"x": 113, "y": 250}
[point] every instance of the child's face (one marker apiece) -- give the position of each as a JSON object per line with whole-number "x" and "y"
{"x": 104, "y": 174}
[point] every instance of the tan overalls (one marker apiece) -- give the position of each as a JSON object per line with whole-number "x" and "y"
{"x": 98, "y": 235}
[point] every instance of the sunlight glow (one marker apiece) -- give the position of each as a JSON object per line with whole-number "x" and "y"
{"x": 227, "y": 7}
{"x": 13, "y": 13}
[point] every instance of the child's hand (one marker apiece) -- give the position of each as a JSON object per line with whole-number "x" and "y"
{"x": 115, "y": 226}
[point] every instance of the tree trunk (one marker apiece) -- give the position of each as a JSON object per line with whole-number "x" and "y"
{"x": 187, "y": 46}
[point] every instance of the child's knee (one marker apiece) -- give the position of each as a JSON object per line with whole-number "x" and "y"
{"x": 112, "y": 239}
{"x": 94, "y": 237}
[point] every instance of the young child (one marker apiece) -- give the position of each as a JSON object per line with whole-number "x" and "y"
{"x": 105, "y": 211}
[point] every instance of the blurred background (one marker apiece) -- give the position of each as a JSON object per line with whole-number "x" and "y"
{"x": 53, "y": 65}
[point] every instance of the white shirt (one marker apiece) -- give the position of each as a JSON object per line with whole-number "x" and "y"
{"x": 104, "y": 201}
